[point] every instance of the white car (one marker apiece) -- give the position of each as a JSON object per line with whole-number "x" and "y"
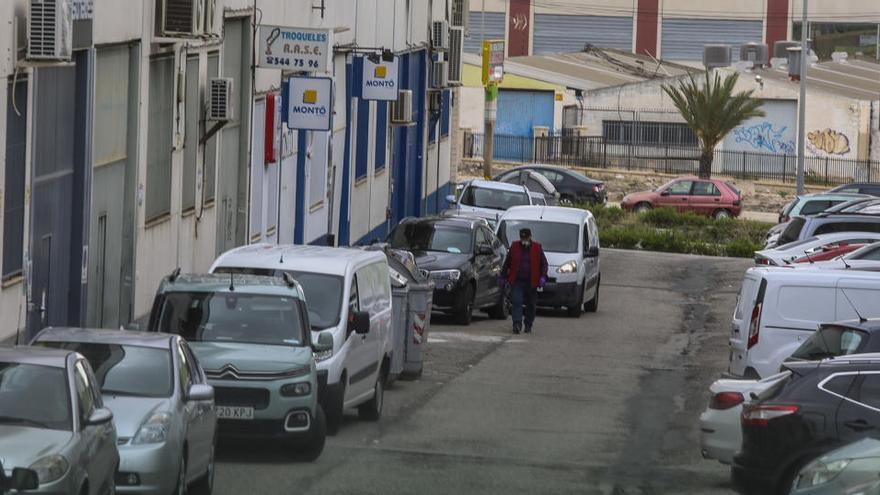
{"x": 488, "y": 199}
{"x": 784, "y": 255}
{"x": 570, "y": 239}
{"x": 720, "y": 433}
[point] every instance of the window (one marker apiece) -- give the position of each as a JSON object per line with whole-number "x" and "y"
{"x": 13, "y": 194}
{"x": 869, "y": 391}
{"x": 191, "y": 136}
{"x": 481, "y": 239}
{"x": 792, "y": 232}
{"x": 534, "y": 185}
{"x": 830, "y": 341}
{"x": 868, "y": 254}
{"x": 85, "y": 398}
{"x": 648, "y": 133}
{"x": 494, "y": 199}
{"x": 681, "y": 187}
{"x": 209, "y": 186}
{"x": 813, "y": 207}
{"x": 702, "y": 188}
{"x": 444, "y": 113}
{"x": 554, "y": 177}
{"x": 184, "y": 375}
{"x": 849, "y": 189}
{"x": 362, "y": 140}
{"x": 555, "y": 237}
{"x": 354, "y": 300}
{"x": 160, "y": 123}
{"x": 839, "y": 384}
{"x": 847, "y": 227}
{"x": 381, "y": 133}
{"x": 197, "y": 375}
{"x": 425, "y": 236}
{"x": 34, "y": 393}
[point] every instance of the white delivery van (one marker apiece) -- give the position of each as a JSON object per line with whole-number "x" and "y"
{"x": 342, "y": 287}
{"x": 780, "y": 307}
{"x": 570, "y": 239}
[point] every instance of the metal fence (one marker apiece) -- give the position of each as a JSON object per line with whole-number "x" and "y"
{"x": 598, "y": 152}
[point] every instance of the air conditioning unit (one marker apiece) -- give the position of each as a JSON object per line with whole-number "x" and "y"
{"x": 453, "y": 57}
{"x": 440, "y": 75}
{"x": 435, "y": 100}
{"x": 440, "y": 35}
{"x": 221, "y": 97}
{"x": 780, "y": 48}
{"x": 460, "y": 12}
{"x": 756, "y": 53}
{"x": 401, "y": 110}
{"x": 49, "y": 30}
{"x": 716, "y": 56}
{"x": 180, "y": 18}
{"x": 794, "y": 62}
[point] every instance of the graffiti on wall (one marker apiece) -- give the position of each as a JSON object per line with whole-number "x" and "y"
{"x": 828, "y": 141}
{"x": 763, "y": 136}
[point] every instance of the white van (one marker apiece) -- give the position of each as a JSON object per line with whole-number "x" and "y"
{"x": 779, "y": 307}
{"x": 570, "y": 239}
{"x": 342, "y": 287}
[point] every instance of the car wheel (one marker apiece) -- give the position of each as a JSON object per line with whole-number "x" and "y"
{"x": 335, "y": 406}
{"x": 593, "y": 304}
{"x": 574, "y": 311}
{"x": 372, "y": 409}
{"x": 205, "y": 484}
{"x": 317, "y": 436}
{"x": 566, "y": 200}
{"x": 721, "y": 213}
{"x": 500, "y": 311}
{"x": 465, "y": 307}
{"x": 642, "y": 207}
{"x": 181, "y": 475}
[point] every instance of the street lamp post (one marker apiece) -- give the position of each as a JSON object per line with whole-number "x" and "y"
{"x": 802, "y": 102}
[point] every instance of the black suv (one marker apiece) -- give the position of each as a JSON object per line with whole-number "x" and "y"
{"x": 463, "y": 257}
{"x": 819, "y": 407}
{"x": 571, "y": 186}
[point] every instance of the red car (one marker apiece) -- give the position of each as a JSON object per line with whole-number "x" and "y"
{"x": 710, "y": 197}
{"x": 829, "y": 252}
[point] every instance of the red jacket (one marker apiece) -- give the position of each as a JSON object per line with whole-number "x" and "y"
{"x": 537, "y": 265}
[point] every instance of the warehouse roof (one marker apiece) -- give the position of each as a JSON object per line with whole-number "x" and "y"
{"x": 859, "y": 78}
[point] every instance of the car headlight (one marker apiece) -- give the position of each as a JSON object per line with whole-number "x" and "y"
{"x": 568, "y": 267}
{"x": 323, "y": 355}
{"x": 819, "y": 472}
{"x": 154, "y": 430}
{"x": 296, "y": 389}
{"x": 50, "y": 468}
{"x": 446, "y": 274}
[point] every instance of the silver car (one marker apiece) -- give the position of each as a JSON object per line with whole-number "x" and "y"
{"x": 849, "y": 470}
{"x": 53, "y": 421}
{"x": 161, "y": 402}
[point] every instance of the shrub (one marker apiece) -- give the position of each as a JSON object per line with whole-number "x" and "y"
{"x": 619, "y": 237}
{"x": 741, "y": 248}
{"x": 667, "y": 241}
{"x": 668, "y": 217}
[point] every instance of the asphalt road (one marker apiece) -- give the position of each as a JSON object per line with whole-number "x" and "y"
{"x": 604, "y": 404}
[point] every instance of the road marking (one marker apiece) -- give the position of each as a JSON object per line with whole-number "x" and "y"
{"x": 444, "y": 337}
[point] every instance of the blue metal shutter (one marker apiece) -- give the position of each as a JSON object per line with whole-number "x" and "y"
{"x": 494, "y": 24}
{"x": 555, "y": 33}
{"x": 683, "y": 39}
{"x": 518, "y": 113}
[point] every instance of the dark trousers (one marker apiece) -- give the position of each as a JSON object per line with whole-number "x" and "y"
{"x": 523, "y": 294}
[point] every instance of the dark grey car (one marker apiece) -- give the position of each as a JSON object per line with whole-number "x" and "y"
{"x": 803, "y": 227}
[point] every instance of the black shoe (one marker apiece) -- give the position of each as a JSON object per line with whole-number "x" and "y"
{"x": 528, "y": 329}
{"x": 516, "y": 328}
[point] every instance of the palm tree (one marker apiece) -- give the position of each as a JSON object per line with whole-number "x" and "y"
{"x": 712, "y": 110}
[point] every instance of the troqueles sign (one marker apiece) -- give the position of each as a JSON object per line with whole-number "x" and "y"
{"x": 294, "y": 49}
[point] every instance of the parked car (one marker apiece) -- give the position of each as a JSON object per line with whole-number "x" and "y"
{"x": 710, "y": 197}
{"x": 570, "y": 239}
{"x": 779, "y": 308}
{"x": 251, "y": 335}
{"x": 162, "y": 406}
{"x": 488, "y": 199}
{"x": 856, "y": 205}
{"x": 871, "y": 252}
{"x": 53, "y": 421}
{"x": 463, "y": 258}
{"x": 833, "y": 340}
{"x": 820, "y": 406}
{"x": 811, "y": 204}
{"x": 815, "y": 245}
{"x": 830, "y": 252}
{"x": 535, "y": 182}
{"x": 849, "y": 470}
{"x": 572, "y": 186}
{"x": 348, "y": 302}
{"x": 872, "y": 188}
{"x": 800, "y": 227}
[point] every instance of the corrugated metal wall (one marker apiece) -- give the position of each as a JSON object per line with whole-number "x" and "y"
{"x": 683, "y": 39}
{"x": 556, "y": 33}
{"x": 494, "y": 25}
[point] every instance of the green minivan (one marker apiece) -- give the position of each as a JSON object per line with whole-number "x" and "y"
{"x": 251, "y": 335}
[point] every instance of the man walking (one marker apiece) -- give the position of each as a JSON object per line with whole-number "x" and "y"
{"x": 525, "y": 269}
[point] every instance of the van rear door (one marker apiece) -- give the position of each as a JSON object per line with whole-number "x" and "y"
{"x": 739, "y": 327}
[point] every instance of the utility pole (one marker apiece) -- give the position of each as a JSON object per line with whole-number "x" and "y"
{"x": 802, "y": 102}
{"x": 493, "y": 73}
{"x": 877, "y": 46}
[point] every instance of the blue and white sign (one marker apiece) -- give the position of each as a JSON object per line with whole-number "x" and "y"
{"x": 380, "y": 80}
{"x": 294, "y": 49}
{"x": 309, "y": 103}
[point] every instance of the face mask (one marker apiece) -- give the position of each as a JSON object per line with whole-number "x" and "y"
{"x": 526, "y": 243}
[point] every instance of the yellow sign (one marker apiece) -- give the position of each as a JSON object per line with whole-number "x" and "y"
{"x": 381, "y": 72}
{"x": 310, "y": 96}
{"x": 493, "y": 61}
{"x": 558, "y": 96}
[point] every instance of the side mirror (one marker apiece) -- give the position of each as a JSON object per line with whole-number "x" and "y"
{"x": 22, "y": 480}
{"x": 485, "y": 250}
{"x": 359, "y": 322}
{"x": 450, "y": 198}
{"x": 200, "y": 392}
{"x": 664, "y": 193}
{"x": 99, "y": 417}
{"x": 592, "y": 252}
{"x": 324, "y": 343}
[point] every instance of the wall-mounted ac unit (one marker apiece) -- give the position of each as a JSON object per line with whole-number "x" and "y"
{"x": 756, "y": 53}
{"x": 440, "y": 35}
{"x": 780, "y": 48}
{"x": 180, "y": 18}
{"x": 49, "y": 30}
{"x": 453, "y": 57}
{"x": 716, "y": 56}
{"x": 440, "y": 75}
{"x": 435, "y": 100}
{"x": 401, "y": 110}
{"x": 221, "y": 96}
{"x": 460, "y": 13}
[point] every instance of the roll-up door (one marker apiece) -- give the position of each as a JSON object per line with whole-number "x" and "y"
{"x": 518, "y": 113}
{"x": 494, "y": 30}
{"x": 683, "y": 39}
{"x": 556, "y": 33}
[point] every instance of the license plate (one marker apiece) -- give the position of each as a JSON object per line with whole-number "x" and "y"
{"x": 227, "y": 412}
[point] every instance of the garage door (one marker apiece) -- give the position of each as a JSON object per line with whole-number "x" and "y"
{"x": 556, "y": 33}
{"x": 494, "y": 30}
{"x": 683, "y": 39}
{"x": 518, "y": 113}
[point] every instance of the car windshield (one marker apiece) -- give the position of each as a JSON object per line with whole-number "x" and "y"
{"x": 35, "y": 396}
{"x": 232, "y": 317}
{"x": 830, "y": 341}
{"x": 493, "y": 199}
{"x": 126, "y": 369}
{"x": 426, "y": 236}
{"x": 555, "y": 237}
{"x": 792, "y": 231}
{"x": 871, "y": 253}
